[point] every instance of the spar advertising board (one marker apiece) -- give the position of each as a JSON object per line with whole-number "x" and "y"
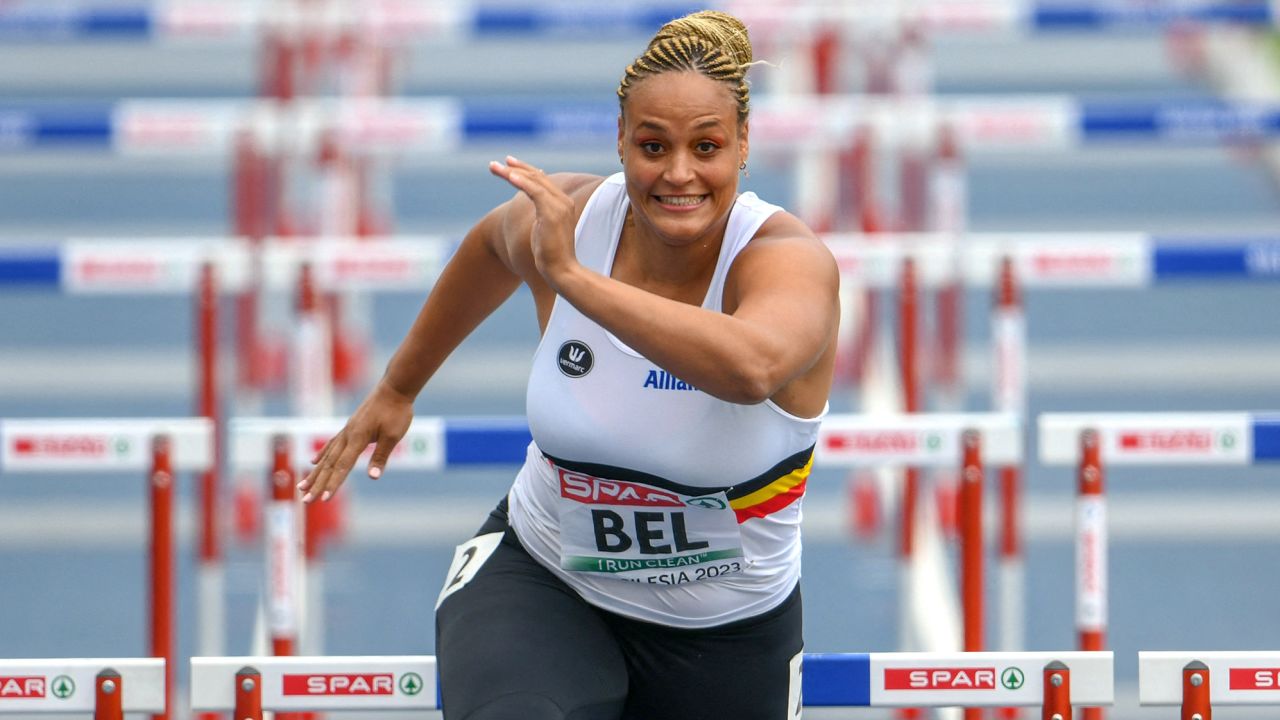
{"x": 422, "y": 447}
{"x": 404, "y": 682}
{"x": 1150, "y": 438}
{"x": 922, "y": 439}
{"x": 985, "y": 679}
{"x": 69, "y": 686}
{"x": 102, "y": 444}
{"x": 1235, "y": 678}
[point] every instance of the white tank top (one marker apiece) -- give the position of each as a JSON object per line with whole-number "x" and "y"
{"x": 650, "y": 498}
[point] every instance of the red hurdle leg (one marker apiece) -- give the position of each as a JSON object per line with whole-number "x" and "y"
{"x": 248, "y": 694}
{"x": 1195, "y": 692}
{"x": 1091, "y": 553}
{"x": 108, "y": 689}
{"x": 162, "y": 564}
{"x": 971, "y": 479}
{"x": 1057, "y": 692}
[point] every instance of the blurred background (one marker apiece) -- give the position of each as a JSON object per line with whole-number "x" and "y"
{"x": 294, "y": 123}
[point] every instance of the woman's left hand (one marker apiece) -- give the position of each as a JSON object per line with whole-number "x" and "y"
{"x": 554, "y": 220}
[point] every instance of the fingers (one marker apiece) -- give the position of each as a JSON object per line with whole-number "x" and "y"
{"x": 332, "y": 465}
{"x": 522, "y": 176}
{"x": 381, "y": 453}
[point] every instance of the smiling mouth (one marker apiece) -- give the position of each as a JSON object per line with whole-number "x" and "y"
{"x": 681, "y": 200}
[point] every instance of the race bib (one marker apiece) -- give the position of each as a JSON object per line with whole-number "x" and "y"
{"x": 642, "y": 533}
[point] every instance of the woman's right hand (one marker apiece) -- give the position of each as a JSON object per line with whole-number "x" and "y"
{"x": 381, "y": 420}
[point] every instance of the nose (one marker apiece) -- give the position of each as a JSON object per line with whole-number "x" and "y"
{"x": 679, "y": 169}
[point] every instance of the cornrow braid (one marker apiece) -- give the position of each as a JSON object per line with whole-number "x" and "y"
{"x": 711, "y": 43}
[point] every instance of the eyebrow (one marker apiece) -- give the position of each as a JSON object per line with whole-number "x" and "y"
{"x": 660, "y": 127}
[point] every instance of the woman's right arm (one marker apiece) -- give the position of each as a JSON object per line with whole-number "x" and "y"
{"x": 477, "y": 279}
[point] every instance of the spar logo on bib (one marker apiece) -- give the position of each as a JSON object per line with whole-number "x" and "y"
{"x": 575, "y": 359}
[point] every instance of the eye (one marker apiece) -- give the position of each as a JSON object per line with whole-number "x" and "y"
{"x": 707, "y": 147}
{"x": 651, "y": 147}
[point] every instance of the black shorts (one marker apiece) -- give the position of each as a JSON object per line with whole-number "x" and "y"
{"x": 514, "y": 642}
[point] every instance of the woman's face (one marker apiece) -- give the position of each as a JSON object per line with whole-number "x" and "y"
{"x": 681, "y": 146}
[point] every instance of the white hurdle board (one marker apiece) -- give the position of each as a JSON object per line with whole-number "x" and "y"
{"x": 102, "y": 444}
{"x": 986, "y": 679}
{"x": 1214, "y": 438}
{"x": 389, "y": 682}
{"x": 69, "y": 685}
{"x": 422, "y": 447}
{"x": 921, "y": 439}
{"x": 1235, "y": 678}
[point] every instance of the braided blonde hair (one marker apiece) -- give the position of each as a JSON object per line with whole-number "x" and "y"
{"x": 709, "y": 42}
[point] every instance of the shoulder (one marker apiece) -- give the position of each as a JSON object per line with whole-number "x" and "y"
{"x": 786, "y": 240}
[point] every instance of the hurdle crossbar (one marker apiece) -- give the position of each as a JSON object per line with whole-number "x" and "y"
{"x": 1227, "y": 678}
{"x": 828, "y": 679}
{"x": 1212, "y": 438}
{"x": 58, "y": 445}
{"x": 441, "y": 125}
{"x": 434, "y": 443}
{"x": 398, "y": 23}
{"x": 72, "y": 685}
{"x": 411, "y": 263}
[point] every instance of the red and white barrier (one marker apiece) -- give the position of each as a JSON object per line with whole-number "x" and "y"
{"x": 161, "y": 448}
{"x": 105, "y": 687}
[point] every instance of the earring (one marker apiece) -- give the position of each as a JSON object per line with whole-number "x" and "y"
{"x": 742, "y": 165}
{"x": 743, "y": 168}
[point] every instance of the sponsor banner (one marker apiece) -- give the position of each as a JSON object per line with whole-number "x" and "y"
{"x": 412, "y": 20}
{"x": 872, "y": 262}
{"x": 422, "y": 447}
{"x": 102, "y": 445}
{"x": 1235, "y": 678}
{"x": 68, "y": 686}
{"x": 431, "y": 126}
{"x": 320, "y": 683}
{"x": 984, "y": 679}
{"x": 1151, "y": 438}
{"x": 284, "y": 548}
{"x": 403, "y": 264}
{"x": 1014, "y": 124}
{"x": 1063, "y": 260}
{"x": 165, "y": 127}
{"x": 1009, "y": 358}
{"x": 207, "y": 19}
{"x": 93, "y": 266}
{"x": 926, "y": 439}
{"x": 1091, "y": 563}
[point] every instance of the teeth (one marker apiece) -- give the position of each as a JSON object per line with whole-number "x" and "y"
{"x": 680, "y": 199}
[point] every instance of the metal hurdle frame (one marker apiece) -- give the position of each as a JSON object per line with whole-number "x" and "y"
{"x": 395, "y": 23}
{"x": 120, "y": 685}
{"x": 162, "y": 447}
{"x": 1093, "y": 442}
{"x": 1199, "y": 680}
{"x": 283, "y": 445}
{"x": 250, "y": 686}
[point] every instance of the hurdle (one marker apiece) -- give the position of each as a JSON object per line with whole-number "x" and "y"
{"x": 1092, "y": 442}
{"x": 434, "y": 126}
{"x": 282, "y": 446}
{"x": 398, "y": 23}
{"x": 1199, "y": 680}
{"x": 251, "y": 685}
{"x": 162, "y": 447}
{"x": 106, "y": 687}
